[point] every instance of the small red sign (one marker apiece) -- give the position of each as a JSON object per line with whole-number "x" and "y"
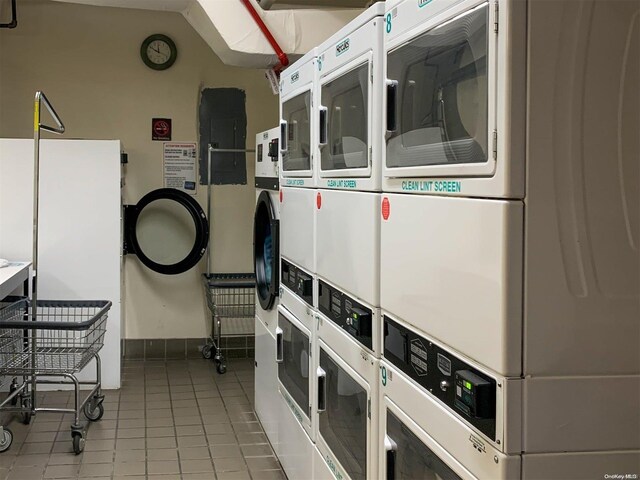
{"x": 386, "y": 208}
{"x": 280, "y": 196}
{"x": 319, "y": 200}
{"x": 161, "y": 129}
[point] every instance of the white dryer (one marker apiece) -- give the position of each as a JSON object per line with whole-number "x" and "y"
{"x": 455, "y": 99}
{"x": 294, "y": 343}
{"x": 297, "y": 177}
{"x": 452, "y": 211}
{"x": 518, "y": 275}
{"x": 266, "y": 267}
{"x": 296, "y": 332}
{"x": 297, "y": 122}
{"x": 420, "y": 438}
{"x": 512, "y": 414}
{"x": 345, "y": 415}
{"x": 349, "y": 147}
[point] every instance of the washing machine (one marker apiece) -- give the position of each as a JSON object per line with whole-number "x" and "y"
{"x": 420, "y": 438}
{"x": 266, "y": 256}
{"x": 297, "y": 176}
{"x": 349, "y": 146}
{"x": 530, "y": 278}
{"x": 346, "y": 420}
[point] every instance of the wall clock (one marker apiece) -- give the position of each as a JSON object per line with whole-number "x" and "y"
{"x": 158, "y": 52}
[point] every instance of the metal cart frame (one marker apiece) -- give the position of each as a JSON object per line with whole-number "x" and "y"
{"x": 51, "y": 351}
{"x": 50, "y": 339}
{"x": 229, "y": 295}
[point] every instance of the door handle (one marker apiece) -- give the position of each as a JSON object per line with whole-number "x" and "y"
{"x": 284, "y": 144}
{"x": 275, "y": 257}
{"x": 322, "y": 390}
{"x": 390, "y": 448}
{"x": 392, "y": 106}
{"x": 324, "y": 119}
{"x": 279, "y": 345}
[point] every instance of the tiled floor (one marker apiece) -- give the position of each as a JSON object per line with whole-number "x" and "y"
{"x": 171, "y": 420}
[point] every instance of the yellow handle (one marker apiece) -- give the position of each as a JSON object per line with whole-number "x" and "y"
{"x": 36, "y": 116}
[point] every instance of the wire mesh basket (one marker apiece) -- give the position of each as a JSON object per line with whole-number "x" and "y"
{"x": 231, "y": 299}
{"x": 231, "y": 295}
{"x": 65, "y": 336}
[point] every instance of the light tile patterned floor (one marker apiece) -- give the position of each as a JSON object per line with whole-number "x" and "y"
{"x": 171, "y": 420}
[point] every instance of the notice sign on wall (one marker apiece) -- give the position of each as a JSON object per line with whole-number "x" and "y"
{"x": 161, "y": 129}
{"x": 180, "y": 166}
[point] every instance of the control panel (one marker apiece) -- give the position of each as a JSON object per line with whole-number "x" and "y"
{"x": 267, "y": 156}
{"x": 474, "y": 394}
{"x": 347, "y": 313}
{"x": 465, "y": 390}
{"x": 298, "y": 281}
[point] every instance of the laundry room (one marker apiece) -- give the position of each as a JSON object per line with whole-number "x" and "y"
{"x": 319, "y": 239}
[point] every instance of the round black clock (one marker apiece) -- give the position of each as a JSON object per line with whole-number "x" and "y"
{"x": 158, "y": 52}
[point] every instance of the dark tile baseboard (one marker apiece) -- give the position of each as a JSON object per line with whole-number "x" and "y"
{"x": 241, "y": 346}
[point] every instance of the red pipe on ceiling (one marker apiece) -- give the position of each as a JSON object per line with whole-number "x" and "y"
{"x": 282, "y": 57}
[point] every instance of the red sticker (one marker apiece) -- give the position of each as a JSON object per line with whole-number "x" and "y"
{"x": 319, "y": 200}
{"x": 280, "y": 196}
{"x": 386, "y": 208}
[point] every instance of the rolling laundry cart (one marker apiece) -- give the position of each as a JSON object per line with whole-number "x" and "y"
{"x": 230, "y": 296}
{"x": 50, "y": 341}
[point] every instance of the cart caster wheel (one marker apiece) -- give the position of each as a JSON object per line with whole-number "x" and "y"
{"x": 95, "y": 414}
{"x": 78, "y": 443}
{"x": 5, "y": 440}
{"x": 222, "y": 368}
{"x": 207, "y": 352}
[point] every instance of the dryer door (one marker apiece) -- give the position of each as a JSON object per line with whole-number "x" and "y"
{"x": 266, "y": 250}
{"x": 167, "y": 230}
{"x": 343, "y": 414}
{"x": 408, "y": 457}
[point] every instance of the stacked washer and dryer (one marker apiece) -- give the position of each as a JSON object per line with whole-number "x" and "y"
{"x": 348, "y": 152}
{"x": 459, "y": 203}
{"x": 509, "y": 247}
{"x": 296, "y": 312}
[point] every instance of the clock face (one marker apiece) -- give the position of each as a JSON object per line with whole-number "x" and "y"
{"x": 158, "y": 52}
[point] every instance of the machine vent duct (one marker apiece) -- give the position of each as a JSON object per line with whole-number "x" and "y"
{"x": 227, "y": 27}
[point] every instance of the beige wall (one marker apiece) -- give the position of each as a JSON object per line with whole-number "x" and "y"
{"x": 87, "y": 61}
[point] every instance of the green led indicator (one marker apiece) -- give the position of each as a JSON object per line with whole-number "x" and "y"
{"x": 468, "y": 385}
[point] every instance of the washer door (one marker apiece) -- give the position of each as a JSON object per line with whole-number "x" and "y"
{"x": 167, "y": 230}
{"x": 266, "y": 250}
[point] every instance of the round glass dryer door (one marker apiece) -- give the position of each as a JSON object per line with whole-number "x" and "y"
{"x": 167, "y": 230}
{"x": 266, "y": 251}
